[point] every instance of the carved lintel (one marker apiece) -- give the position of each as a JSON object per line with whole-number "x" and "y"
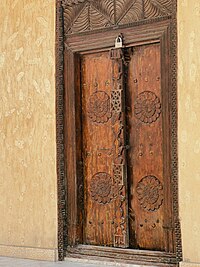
{"x": 89, "y": 15}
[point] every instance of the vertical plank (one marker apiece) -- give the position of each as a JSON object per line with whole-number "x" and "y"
{"x": 145, "y": 157}
{"x": 99, "y": 192}
{"x": 103, "y": 119}
{"x": 73, "y": 147}
{"x": 121, "y": 235}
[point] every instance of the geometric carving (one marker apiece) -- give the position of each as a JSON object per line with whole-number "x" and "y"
{"x": 116, "y": 101}
{"x": 127, "y": 11}
{"x": 157, "y": 8}
{"x": 101, "y": 188}
{"x": 99, "y": 107}
{"x": 150, "y": 193}
{"x": 88, "y": 15}
{"x": 147, "y": 107}
{"x": 118, "y": 174}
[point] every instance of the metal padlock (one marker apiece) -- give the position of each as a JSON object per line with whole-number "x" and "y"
{"x": 118, "y": 42}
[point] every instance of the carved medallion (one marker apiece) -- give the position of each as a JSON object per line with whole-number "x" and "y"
{"x": 150, "y": 193}
{"x": 99, "y": 107}
{"x": 147, "y": 107}
{"x": 101, "y": 188}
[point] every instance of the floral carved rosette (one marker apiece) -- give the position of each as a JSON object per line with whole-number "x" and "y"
{"x": 150, "y": 193}
{"x": 99, "y": 107}
{"x": 101, "y": 188}
{"x": 147, "y": 107}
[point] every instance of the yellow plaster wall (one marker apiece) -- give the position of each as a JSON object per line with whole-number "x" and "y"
{"x": 28, "y": 208}
{"x": 189, "y": 126}
{"x": 28, "y": 193}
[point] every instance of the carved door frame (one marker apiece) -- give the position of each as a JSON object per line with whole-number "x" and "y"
{"x": 162, "y": 30}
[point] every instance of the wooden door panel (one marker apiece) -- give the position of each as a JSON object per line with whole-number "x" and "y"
{"x": 105, "y": 194}
{"x": 145, "y": 156}
{"x": 97, "y": 149}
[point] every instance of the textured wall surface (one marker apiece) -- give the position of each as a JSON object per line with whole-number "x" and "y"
{"x": 28, "y": 193}
{"x": 28, "y": 208}
{"x": 189, "y": 126}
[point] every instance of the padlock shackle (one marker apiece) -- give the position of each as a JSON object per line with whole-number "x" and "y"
{"x": 118, "y": 39}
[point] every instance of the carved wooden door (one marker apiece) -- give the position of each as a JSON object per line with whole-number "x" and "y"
{"x": 116, "y": 118}
{"x": 120, "y": 130}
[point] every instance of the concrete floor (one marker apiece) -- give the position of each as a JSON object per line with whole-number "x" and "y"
{"x": 12, "y": 262}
